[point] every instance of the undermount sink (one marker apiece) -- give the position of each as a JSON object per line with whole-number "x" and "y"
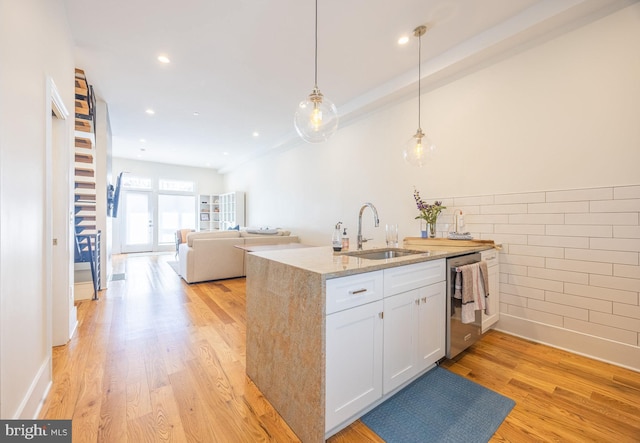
{"x": 383, "y": 254}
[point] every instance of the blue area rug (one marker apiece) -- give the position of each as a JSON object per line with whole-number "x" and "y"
{"x": 440, "y": 407}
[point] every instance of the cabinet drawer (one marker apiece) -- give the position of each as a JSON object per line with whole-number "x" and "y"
{"x": 408, "y": 277}
{"x": 353, "y": 290}
{"x": 490, "y": 256}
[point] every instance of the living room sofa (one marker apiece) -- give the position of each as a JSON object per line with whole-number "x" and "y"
{"x": 213, "y": 255}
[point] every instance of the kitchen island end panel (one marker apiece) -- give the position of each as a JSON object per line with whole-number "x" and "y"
{"x": 285, "y": 342}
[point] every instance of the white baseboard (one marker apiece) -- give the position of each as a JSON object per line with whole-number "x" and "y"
{"x": 608, "y": 351}
{"x": 32, "y": 402}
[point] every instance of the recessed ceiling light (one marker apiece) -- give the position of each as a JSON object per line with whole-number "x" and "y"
{"x": 225, "y": 153}
{"x": 163, "y": 59}
{"x": 403, "y": 40}
{"x": 142, "y": 140}
{"x": 256, "y": 134}
{"x": 196, "y": 113}
{"x": 150, "y": 111}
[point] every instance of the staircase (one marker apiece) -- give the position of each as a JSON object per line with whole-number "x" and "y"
{"x": 87, "y": 236}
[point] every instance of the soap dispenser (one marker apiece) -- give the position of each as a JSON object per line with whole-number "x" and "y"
{"x": 336, "y": 240}
{"x": 345, "y": 240}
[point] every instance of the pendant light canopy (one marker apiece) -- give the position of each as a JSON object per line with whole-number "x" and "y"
{"x": 419, "y": 146}
{"x": 316, "y": 118}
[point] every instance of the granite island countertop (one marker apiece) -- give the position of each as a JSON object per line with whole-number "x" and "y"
{"x": 324, "y": 261}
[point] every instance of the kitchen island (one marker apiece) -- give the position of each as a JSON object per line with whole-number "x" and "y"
{"x": 287, "y": 316}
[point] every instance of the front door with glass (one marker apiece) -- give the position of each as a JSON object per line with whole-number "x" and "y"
{"x": 137, "y": 229}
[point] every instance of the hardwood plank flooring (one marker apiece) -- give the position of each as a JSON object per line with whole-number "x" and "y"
{"x": 158, "y": 360}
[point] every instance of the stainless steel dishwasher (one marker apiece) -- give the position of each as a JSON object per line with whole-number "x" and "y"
{"x": 460, "y": 335}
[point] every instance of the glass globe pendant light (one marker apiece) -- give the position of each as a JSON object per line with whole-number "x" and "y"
{"x": 316, "y": 118}
{"x": 419, "y": 147}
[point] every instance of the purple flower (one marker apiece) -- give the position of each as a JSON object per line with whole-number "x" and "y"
{"x": 428, "y": 213}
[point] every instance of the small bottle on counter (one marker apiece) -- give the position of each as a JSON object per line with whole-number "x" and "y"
{"x": 345, "y": 240}
{"x": 336, "y": 240}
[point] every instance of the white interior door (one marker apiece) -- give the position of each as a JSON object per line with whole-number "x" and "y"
{"x": 137, "y": 228}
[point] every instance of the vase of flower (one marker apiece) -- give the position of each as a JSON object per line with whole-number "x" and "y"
{"x": 432, "y": 230}
{"x": 428, "y": 215}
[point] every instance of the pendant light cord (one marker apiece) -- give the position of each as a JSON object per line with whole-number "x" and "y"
{"x": 316, "y": 49}
{"x": 419, "y": 77}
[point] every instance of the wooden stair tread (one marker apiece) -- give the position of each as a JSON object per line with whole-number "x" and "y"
{"x": 82, "y": 104}
{"x": 83, "y": 142}
{"x": 85, "y": 206}
{"x": 85, "y": 200}
{"x": 85, "y": 172}
{"x": 84, "y": 228}
{"x": 81, "y": 83}
{"x": 85, "y": 197}
{"x": 83, "y": 158}
{"x": 87, "y": 232}
{"x": 81, "y": 218}
{"x": 83, "y": 125}
{"x": 85, "y": 185}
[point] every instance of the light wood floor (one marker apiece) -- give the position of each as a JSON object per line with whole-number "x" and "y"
{"x": 156, "y": 359}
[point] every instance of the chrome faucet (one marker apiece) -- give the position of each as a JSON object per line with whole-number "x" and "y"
{"x": 375, "y": 219}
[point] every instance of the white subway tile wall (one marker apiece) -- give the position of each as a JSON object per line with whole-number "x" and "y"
{"x": 570, "y": 258}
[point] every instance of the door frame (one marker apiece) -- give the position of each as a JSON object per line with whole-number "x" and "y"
{"x": 60, "y": 233}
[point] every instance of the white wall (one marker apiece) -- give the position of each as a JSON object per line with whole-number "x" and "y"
{"x": 207, "y": 181}
{"x": 44, "y": 49}
{"x": 559, "y": 116}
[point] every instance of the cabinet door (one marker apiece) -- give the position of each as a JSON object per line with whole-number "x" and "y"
{"x": 491, "y": 257}
{"x": 432, "y": 327}
{"x": 353, "y": 362}
{"x": 400, "y": 344}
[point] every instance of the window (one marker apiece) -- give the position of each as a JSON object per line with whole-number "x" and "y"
{"x": 175, "y": 185}
{"x": 175, "y": 212}
{"x": 132, "y": 182}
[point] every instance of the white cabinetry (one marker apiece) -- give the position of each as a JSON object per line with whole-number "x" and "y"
{"x": 383, "y": 328}
{"x": 231, "y": 210}
{"x": 414, "y": 321}
{"x": 353, "y": 346}
{"x": 208, "y": 212}
{"x": 493, "y": 267}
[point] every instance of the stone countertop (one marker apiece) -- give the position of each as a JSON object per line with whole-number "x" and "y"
{"x": 324, "y": 261}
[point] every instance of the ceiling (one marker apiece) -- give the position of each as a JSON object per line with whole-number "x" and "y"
{"x": 244, "y": 65}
